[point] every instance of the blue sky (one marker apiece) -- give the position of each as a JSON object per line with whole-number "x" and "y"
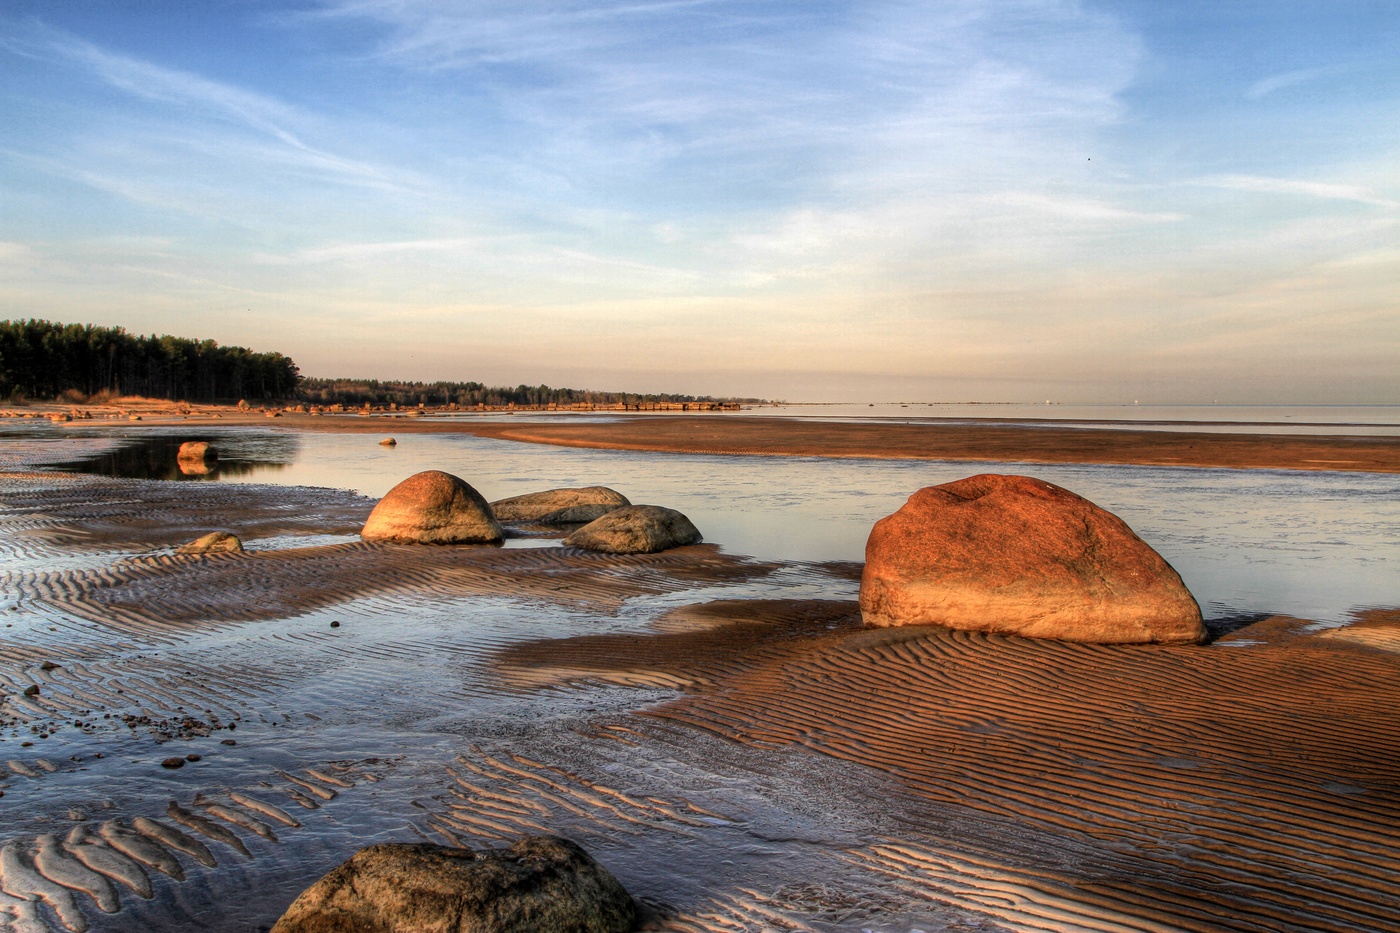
{"x": 1014, "y": 200}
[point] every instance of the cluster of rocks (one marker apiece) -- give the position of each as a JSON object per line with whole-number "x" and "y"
{"x": 1004, "y": 555}
{"x": 434, "y": 507}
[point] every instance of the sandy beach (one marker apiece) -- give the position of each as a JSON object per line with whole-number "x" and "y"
{"x": 988, "y": 440}
{"x": 719, "y": 730}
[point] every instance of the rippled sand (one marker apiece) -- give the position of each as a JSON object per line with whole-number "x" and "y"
{"x": 720, "y": 732}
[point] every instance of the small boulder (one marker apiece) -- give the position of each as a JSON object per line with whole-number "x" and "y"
{"x": 197, "y": 458}
{"x": 636, "y": 529}
{"x": 198, "y": 451}
{"x": 540, "y": 883}
{"x": 1015, "y": 555}
{"x": 388, "y": 442}
{"x": 433, "y": 507}
{"x": 545, "y": 507}
{"x": 216, "y": 542}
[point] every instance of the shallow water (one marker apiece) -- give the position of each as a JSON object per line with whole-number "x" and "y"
{"x": 1318, "y": 545}
{"x": 405, "y": 700}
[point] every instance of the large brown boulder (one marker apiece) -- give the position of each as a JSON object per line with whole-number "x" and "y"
{"x": 541, "y": 883}
{"x": 432, "y": 507}
{"x": 636, "y": 529}
{"x": 560, "y": 506}
{"x": 1015, "y": 555}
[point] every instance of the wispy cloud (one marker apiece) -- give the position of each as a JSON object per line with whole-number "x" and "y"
{"x": 192, "y": 100}
{"x": 1331, "y": 191}
{"x": 1277, "y": 82}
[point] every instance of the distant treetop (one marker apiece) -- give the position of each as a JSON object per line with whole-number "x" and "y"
{"x": 49, "y": 360}
{"x": 46, "y": 360}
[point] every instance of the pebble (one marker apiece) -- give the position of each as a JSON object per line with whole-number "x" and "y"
{"x": 173, "y": 763}
{"x": 192, "y": 757}
{"x": 229, "y": 742}
{"x": 32, "y": 690}
{"x": 335, "y": 625}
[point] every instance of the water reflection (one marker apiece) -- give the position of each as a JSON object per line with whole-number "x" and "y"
{"x": 1314, "y": 544}
{"x": 156, "y": 456}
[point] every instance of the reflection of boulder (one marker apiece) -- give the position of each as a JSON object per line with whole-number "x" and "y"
{"x": 197, "y": 458}
{"x": 1015, "y": 555}
{"x": 636, "y": 529}
{"x": 432, "y": 507}
{"x": 216, "y": 542}
{"x": 560, "y": 506}
{"x": 540, "y": 883}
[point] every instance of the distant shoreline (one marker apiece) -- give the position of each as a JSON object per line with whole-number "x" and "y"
{"x": 717, "y": 433}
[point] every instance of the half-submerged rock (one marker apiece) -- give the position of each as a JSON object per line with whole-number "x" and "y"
{"x": 1015, "y": 555}
{"x": 432, "y": 507}
{"x": 560, "y": 506}
{"x": 198, "y": 451}
{"x": 216, "y": 542}
{"x": 540, "y": 883}
{"x": 197, "y": 458}
{"x": 636, "y": 529}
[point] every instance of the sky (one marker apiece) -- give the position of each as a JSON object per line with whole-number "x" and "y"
{"x": 873, "y": 200}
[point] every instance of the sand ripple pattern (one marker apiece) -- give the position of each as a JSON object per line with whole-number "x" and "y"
{"x": 44, "y": 515}
{"x": 52, "y": 883}
{"x": 164, "y": 596}
{"x": 1186, "y": 789}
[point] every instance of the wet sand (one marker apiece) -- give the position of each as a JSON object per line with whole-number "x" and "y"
{"x": 740, "y": 752}
{"x": 986, "y": 441}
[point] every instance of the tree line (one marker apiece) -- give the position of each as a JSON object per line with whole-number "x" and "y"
{"x": 359, "y": 392}
{"x": 49, "y": 360}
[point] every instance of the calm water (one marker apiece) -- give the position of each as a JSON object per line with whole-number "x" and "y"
{"x": 1238, "y": 419}
{"x": 1313, "y": 544}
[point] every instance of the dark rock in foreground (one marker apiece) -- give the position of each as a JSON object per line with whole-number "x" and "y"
{"x": 539, "y": 884}
{"x": 1015, "y": 555}
{"x": 432, "y": 507}
{"x": 636, "y": 529}
{"x": 560, "y": 506}
{"x": 216, "y": 542}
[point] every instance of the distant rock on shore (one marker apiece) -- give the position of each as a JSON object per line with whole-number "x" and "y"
{"x": 433, "y": 507}
{"x": 560, "y": 506}
{"x": 636, "y": 529}
{"x": 541, "y": 883}
{"x": 1015, "y": 555}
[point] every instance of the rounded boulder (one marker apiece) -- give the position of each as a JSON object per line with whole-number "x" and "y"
{"x": 1015, "y": 555}
{"x": 539, "y": 883}
{"x": 432, "y": 507}
{"x": 560, "y": 506}
{"x": 636, "y": 529}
